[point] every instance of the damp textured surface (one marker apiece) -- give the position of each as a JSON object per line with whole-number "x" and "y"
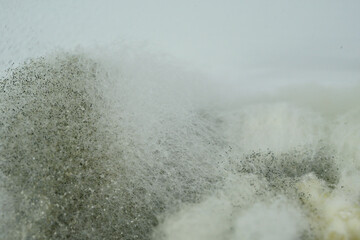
{"x": 96, "y": 146}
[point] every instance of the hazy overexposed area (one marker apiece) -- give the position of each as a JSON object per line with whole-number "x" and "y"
{"x": 180, "y": 120}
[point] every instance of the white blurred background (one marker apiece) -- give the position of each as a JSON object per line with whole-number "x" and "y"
{"x": 267, "y": 43}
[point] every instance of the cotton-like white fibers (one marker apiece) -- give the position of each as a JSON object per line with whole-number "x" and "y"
{"x": 117, "y": 144}
{"x": 278, "y": 220}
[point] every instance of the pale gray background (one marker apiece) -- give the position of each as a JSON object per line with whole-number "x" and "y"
{"x": 257, "y": 40}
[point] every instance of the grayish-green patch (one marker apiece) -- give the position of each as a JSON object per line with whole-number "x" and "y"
{"x": 70, "y": 170}
{"x": 62, "y": 171}
{"x": 283, "y": 170}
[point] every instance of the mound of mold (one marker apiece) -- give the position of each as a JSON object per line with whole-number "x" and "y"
{"x": 71, "y": 162}
{"x": 120, "y": 146}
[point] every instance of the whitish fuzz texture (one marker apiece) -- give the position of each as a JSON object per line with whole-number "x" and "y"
{"x": 118, "y": 145}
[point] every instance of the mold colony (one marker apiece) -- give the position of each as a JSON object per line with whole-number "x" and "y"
{"x": 106, "y": 148}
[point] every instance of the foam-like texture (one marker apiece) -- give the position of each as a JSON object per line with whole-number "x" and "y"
{"x": 108, "y": 144}
{"x": 267, "y": 222}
